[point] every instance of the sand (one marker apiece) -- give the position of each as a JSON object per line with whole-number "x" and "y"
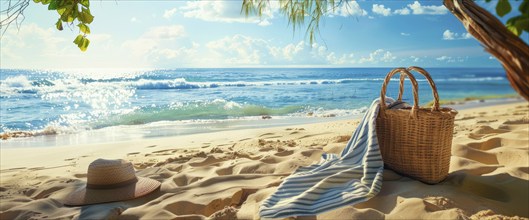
{"x": 226, "y": 175}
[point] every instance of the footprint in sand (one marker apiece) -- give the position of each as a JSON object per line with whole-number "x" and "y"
{"x": 266, "y": 134}
{"x": 271, "y": 159}
{"x": 210, "y": 160}
{"x": 486, "y": 121}
{"x": 277, "y": 136}
{"x": 465, "y": 118}
{"x": 284, "y": 153}
{"x": 12, "y": 169}
{"x": 80, "y": 175}
{"x": 184, "y": 179}
{"x": 266, "y": 149}
{"x": 343, "y": 138}
{"x": 517, "y": 121}
{"x": 485, "y": 131}
{"x": 481, "y": 186}
{"x": 473, "y": 152}
{"x": 313, "y": 135}
{"x": 224, "y": 171}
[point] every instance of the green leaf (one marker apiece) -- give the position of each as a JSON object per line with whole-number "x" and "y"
{"x": 503, "y": 7}
{"x": 64, "y": 17}
{"x": 84, "y": 44}
{"x": 45, "y": 2}
{"x": 86, "y": 16}
{"x": 53, "y": 5}
{"x": 522, "y": 24}
{"x": 59, "y": 25}
{"x": 75, "y": 13}
{"x": 65, "y": 14}
{"x": 514, "y": 30}
{"x": 84, "y": 28}
{"x": 524, "y": 7}
{"x": 85, "y": 3}
{"x": 37, "y": 1}
{"x": 61, "y": 11}
{"x": 78, "y": 39}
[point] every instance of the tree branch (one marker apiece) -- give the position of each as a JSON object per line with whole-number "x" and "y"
{"x": 508, "y": 48}
{"x": 12, "y": 14}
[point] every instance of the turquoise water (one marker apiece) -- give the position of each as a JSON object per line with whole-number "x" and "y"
{"x": 50, "y": 102}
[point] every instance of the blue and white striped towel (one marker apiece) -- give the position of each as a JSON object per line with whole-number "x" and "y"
{"x": 354, "y": 176}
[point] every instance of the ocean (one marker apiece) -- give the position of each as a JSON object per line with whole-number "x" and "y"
{"x": 90, "y": 106}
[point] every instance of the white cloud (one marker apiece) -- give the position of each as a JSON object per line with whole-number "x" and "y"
{"x": 133, "y": 19}
{"x": 319, "y": 51}
{"x": 288, "y": 52}
{"x": 348, "y": 8}
{"x": 388, "y": 57}
{"x": 466, "y": 36}
{"x": 415, "y": 59}
{"x": 99, "y": 37}
{"x": 179, "y": 53}
{"x": 344, "y": 59}
{"x": 450, "y": 59}
{"x": 32, "y": 43}
{"x": 403, "y": 11}
{"x": 169, "y": 13}
{"x": 158, "y": 46}
{"x": 378, "y": 55}
{"x": 264, "y": 23}
{"x": 449, "y": 35}
{"x": 405, "y": 34}
{"x": 165, "y": 32}
{"x": 224, "y": 11}
{"x": 48, "y": 48}
{"x": 443, "y": 58}
{"x": 418, "y": 9}
{"x": 239, "y": 49}
{"x": 381, "y": 10}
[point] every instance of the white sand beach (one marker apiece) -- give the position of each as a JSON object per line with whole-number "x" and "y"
{"x": 226, "y": 175}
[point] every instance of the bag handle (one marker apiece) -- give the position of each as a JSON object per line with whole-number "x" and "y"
{"x": 415, "y": 89}
{"x": 435, "y": 106}
{"x": 401, "y": 86}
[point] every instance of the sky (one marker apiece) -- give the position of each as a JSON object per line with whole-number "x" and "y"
{"x": 212, "y": 34}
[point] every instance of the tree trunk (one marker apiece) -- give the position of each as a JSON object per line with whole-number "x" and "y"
{"x": 508, "y": 48}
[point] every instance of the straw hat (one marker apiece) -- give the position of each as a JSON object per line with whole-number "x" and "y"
{"x": 110, "y": 181}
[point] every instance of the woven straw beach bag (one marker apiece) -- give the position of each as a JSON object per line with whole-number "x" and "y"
{"x": 415, "y": 141}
